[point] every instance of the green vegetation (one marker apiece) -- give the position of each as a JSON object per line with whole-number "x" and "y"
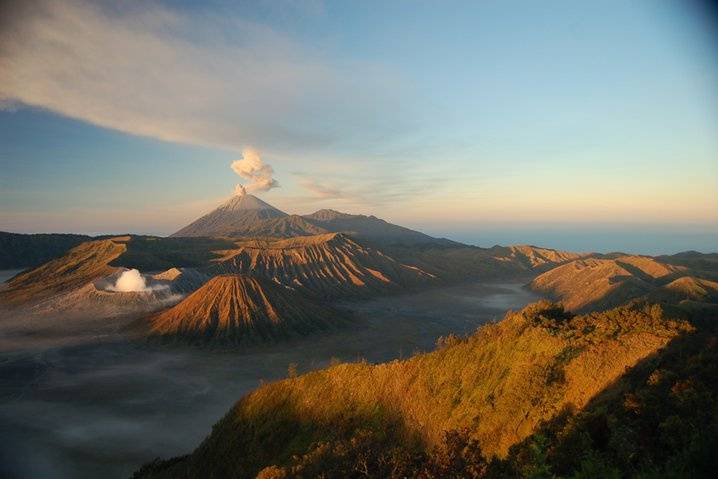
{"x": 151, "y": 253}
{"x": 659, "y": 420}
{"x": 511, "y": 400}
{"x": 23, "y": 250}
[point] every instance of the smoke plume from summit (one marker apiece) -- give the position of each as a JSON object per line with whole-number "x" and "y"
{"x": 252, "y": 168}
{"x": 130, "y": 281}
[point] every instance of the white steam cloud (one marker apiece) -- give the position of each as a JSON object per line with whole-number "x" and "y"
{"x": 255, "y": 171}
{"x": 131, "y": 281}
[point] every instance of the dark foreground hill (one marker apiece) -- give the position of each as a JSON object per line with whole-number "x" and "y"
{"x": 240, "y": 309}
{"x": 601, "y": 395}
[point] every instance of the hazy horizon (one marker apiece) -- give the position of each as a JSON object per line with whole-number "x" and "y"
{"x": 664, "y": 239}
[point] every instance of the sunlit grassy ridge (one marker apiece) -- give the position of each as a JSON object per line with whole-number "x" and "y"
{"x": 660, "y": 420}
{"x": 500, "y": 384}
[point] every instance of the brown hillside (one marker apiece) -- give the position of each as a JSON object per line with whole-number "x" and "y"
{"x": 327, "y": 265}
{"x": 598, "y": 283}
{"x": 78, "y": 267}
{"x": 688, "y": 288}
{"x": 237, "y": 308}
{"x": 534, "y": 257}
{"x": 93, "y": 301}
{"x": 649, "y": 268}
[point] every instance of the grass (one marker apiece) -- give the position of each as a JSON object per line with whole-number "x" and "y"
{"x": 498, "y": 384}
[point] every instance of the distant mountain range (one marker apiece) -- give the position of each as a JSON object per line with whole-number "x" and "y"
{"x": 248, "y": 216}
{"x": 325, "y": 256}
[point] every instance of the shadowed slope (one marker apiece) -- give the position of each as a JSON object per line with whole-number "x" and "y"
{"x": 237, "y": 308}
{"x": 370, "y": 228}
{"x": 181, "y": 280}
{"x": 452, "y": 262}
{"x": 500, "y": 383}
{"x": 152, "y": 253}
{"x": 703, "y": 265}
{"x": 689, "y": 292}
{"x": 329, "y": 265}
{"x": 659, "y": 420}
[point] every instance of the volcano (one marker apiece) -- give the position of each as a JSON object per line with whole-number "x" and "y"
{"x": 239, "y": 216}
{"x": 241, "y": 309}
{"x": 246, "y": 216}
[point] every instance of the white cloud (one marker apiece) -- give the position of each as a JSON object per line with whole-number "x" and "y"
{"x": 202, "y": 79}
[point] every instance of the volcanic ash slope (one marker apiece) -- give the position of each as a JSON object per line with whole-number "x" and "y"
{"x": 241, "y": 309}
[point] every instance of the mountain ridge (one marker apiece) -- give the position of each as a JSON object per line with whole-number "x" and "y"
{"x": 499, "y": 385}
{"x": 248, "y": 216}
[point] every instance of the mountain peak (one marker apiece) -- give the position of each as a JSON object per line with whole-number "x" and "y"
{"x": 328, "y": 215}
{"x": 239, "y": 308}
{"x": 246, "y": 202}
{"x": 235, "y": 217}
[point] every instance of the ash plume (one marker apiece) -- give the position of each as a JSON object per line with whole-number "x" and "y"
{"x": 132, "y": 281}
{"x": 255, "y": 171}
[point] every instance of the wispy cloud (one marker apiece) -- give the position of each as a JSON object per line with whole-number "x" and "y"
{"x": 202, "y": 78}
{"x": 369, "y": 189}
{"x": 321, "y": 191}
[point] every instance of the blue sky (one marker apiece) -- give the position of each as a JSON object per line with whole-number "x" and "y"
{"x": 581, "y": 125}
